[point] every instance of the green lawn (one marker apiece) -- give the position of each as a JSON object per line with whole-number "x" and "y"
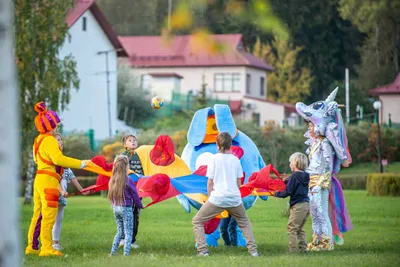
{"x": 166, "y": 237}
{"x": 365, "y": 168}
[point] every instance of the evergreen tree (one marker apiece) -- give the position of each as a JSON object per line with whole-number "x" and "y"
{"x": 288, "y": 83}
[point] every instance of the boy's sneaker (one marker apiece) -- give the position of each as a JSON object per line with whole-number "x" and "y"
{"x": 58, "y": 247}
{"x": 134, "y": 245}
{"x": 121, "y": 243}
{"x": 203, "y": 254}
{"x": 255, "y": 254}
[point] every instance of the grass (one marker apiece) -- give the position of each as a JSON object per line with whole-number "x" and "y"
{"x": 166, "y": 237}
{"x": 367, "y": 167}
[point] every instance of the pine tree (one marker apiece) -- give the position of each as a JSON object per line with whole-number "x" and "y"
{"x": 201, "y": 99}
{"x": 288, "y": 83}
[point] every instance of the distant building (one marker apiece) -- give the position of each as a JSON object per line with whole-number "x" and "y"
{"x": 389, "y": 95}
{"x": 234, "y": 75}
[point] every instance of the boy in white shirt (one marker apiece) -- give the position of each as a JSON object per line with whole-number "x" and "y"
{"x": 224, "y": 173}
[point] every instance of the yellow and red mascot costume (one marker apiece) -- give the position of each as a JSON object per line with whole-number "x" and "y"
{"x": 50, "y": 160}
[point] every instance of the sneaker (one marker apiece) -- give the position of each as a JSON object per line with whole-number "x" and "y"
{"x": 203, "y": 254}
{"x": 58, "y": 247}
{"x": 134, "y": 245}
{"x": 121, "y": 243}
{"x": 255, "y": 254}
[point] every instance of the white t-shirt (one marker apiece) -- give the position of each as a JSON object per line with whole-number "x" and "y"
{"x": 225, "y": 169}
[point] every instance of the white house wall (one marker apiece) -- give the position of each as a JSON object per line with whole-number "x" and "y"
{"x": 192, "y": 79}
{"x": 255, "y": 76}
{"x": 163, "y": 87}
{"x": 268, "y": 111}
{"x": 390, "y": 105}
{"x": 88, "y": 105}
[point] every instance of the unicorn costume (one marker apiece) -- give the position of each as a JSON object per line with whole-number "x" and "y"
{"x": 326, "y": 152}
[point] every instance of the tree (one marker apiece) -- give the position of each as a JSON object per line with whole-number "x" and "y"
{"x": 9, "y": 144}
{"x": 357, "y": 97}
{"x": 139, "y": 17}
{"x": 329, "y": 42}
{"x": 379, "y": 20}
{"x": 288, "y": 83}
{"x": 40, "y": 32}
{"x": 201, "y": 98}
{"x": 133, "y": 101}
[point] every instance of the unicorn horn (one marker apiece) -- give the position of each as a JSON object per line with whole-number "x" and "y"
{"x": 332, "y": 96}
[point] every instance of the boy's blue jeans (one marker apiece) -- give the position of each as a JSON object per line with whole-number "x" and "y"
{"x": 228, "y": 231}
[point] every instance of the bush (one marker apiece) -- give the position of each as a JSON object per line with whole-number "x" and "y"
{"x": 85, "y": 181}
{"x": 77, "y": 145}
{"x": 353, "y": 181}
{"x": 383, "y": 184}
{"x": 274, "y": 143}
{"x": 390, "y": 141}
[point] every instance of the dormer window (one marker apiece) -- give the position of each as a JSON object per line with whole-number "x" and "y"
{"x": 84, "y": 24}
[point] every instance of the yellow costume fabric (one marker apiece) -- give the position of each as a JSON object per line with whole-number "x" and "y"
{"x": 46, "y": 191}
{"x": 177, "y": 168}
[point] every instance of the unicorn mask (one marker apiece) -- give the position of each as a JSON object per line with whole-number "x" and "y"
{"x": 327, "y": 120}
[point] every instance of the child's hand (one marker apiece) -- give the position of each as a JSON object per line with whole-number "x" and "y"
{"x": 64, "y": 193}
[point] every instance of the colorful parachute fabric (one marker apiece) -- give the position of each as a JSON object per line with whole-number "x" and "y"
{"x": 160, "y": 187}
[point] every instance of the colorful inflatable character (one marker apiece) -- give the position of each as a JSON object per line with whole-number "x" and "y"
{"x": 50, "y": 162}
{"x": 327, "y": 150}
{"x": 203, "y": 130}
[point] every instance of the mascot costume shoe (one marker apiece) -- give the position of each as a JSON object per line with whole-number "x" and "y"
{"x": 327, "y": 151}
{"x": 49, "y": 158}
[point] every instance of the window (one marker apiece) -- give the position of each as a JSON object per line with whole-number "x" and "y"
{"x": 262, "y": 86}
{"x": 227, "y": 82}
{"x": 256, "y": 118}
{"x": 248, "y": 83}
{"x": 84, "y": 24}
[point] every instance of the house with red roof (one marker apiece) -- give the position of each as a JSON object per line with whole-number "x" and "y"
{"x": 389, "y": 95}
{"x": 95, "y": 46}
{"x": 178, "y": 65}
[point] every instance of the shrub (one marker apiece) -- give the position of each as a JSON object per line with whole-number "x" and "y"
{"x": 353, "y": 181}
{"x": 383, "y": 184}
{"x": 390, "y": 140}
{"x": 77, "y": 145}
{"x": 85, "y": 181}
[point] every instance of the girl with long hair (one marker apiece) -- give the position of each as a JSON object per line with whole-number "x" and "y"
{"x": 122, "y": 195}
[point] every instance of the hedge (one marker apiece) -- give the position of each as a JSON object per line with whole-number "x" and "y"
{"x": 383, "y": 184}
{"x": 353, "y": 181}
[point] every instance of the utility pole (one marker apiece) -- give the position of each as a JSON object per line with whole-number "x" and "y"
{"x": 108, "y": 89}
{"x": 9, "y": 143}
